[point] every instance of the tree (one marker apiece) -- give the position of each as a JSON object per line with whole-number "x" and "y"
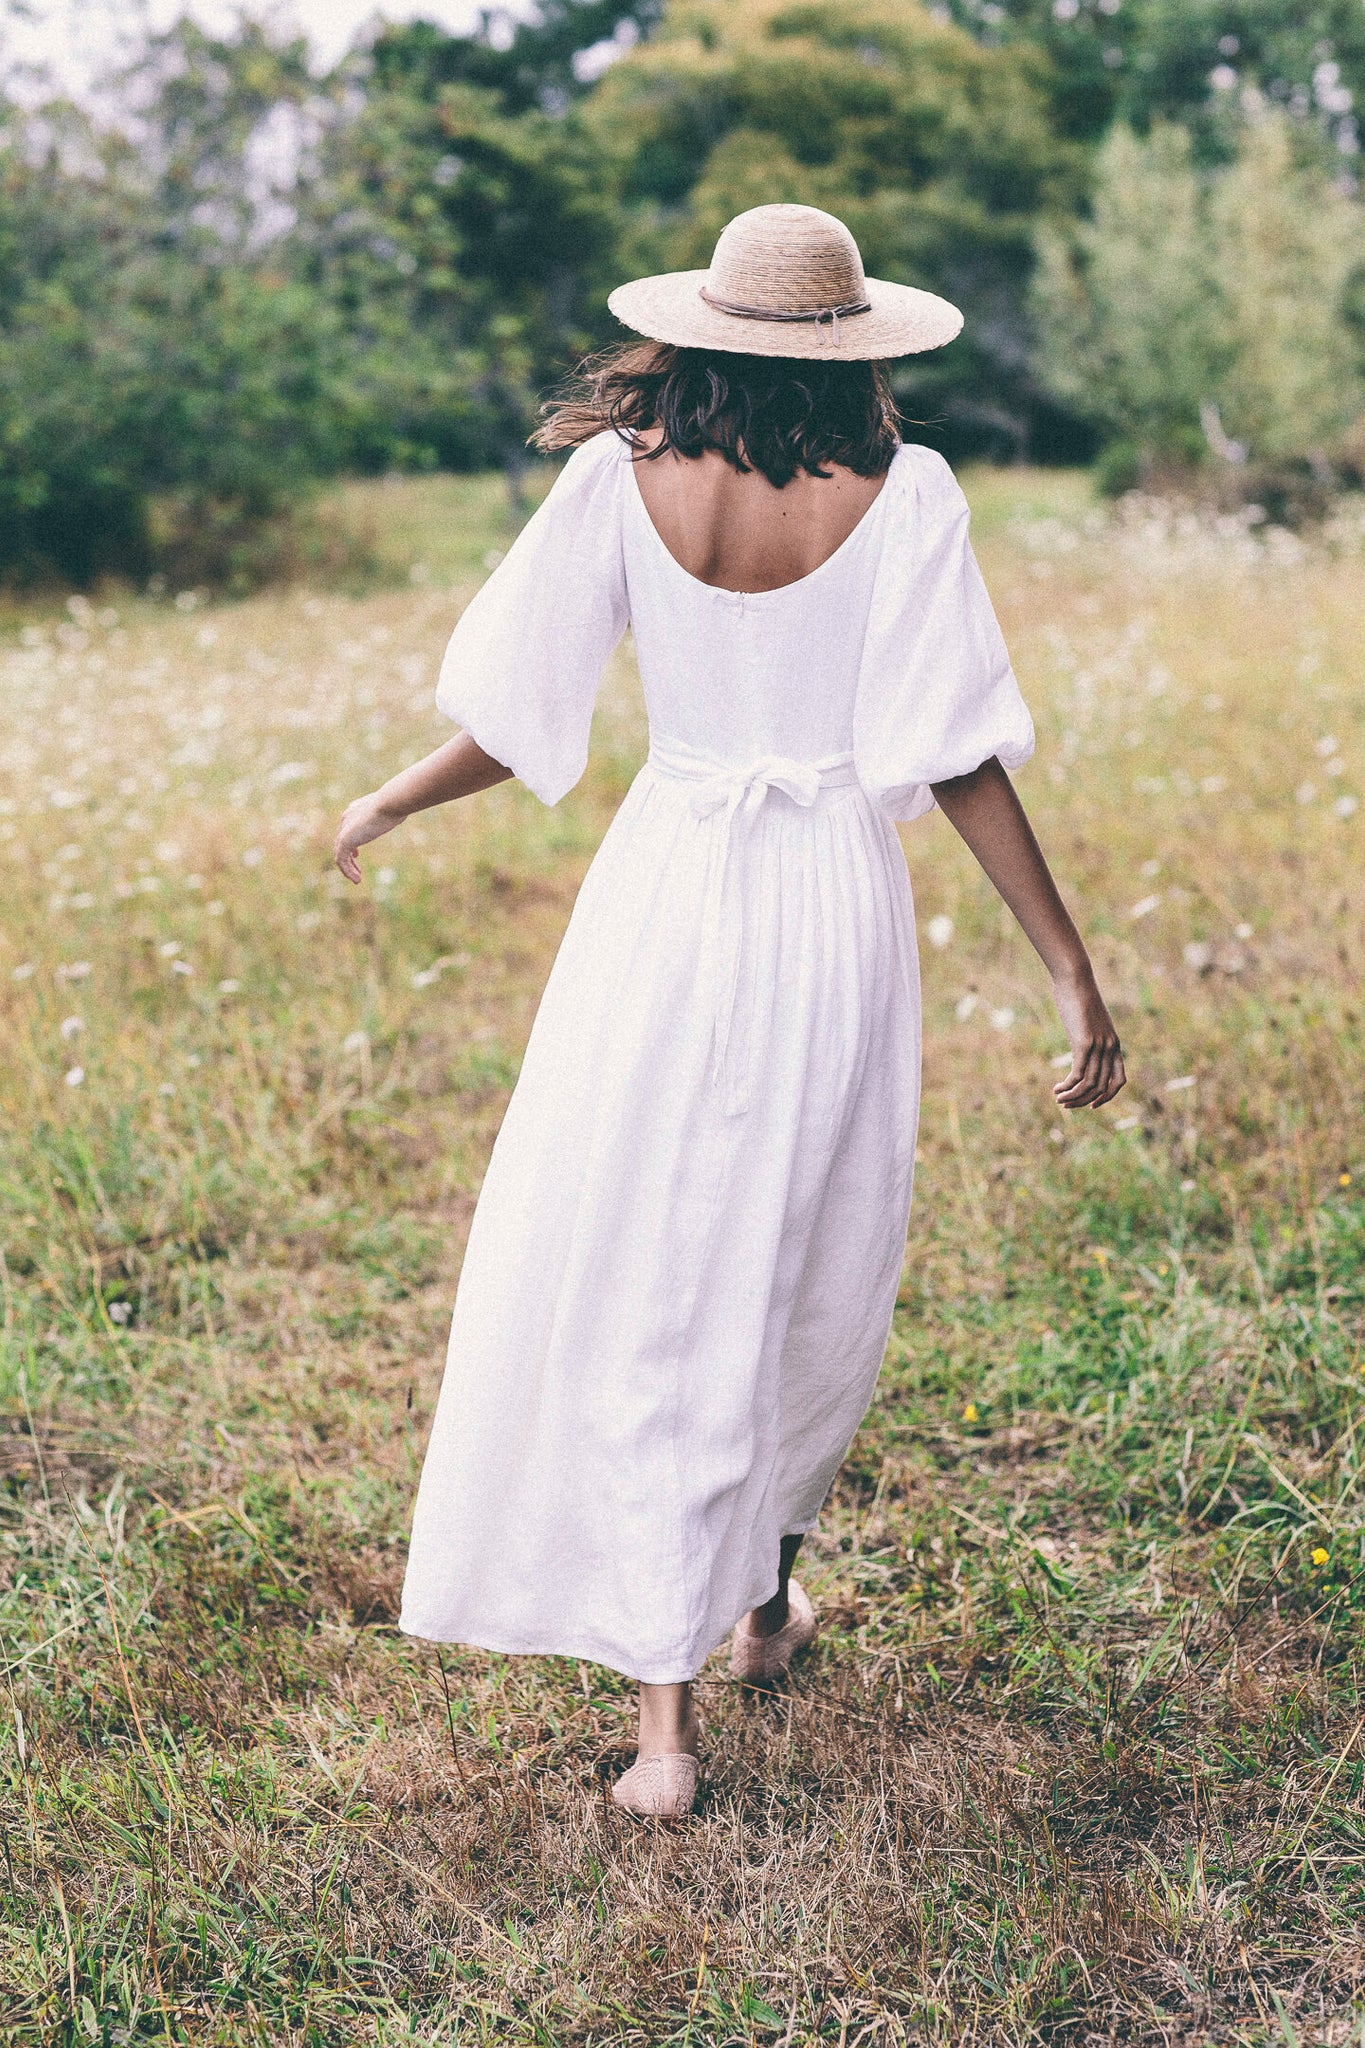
{"x": 1200, "y": 311}
{"x": 938, "y": 153}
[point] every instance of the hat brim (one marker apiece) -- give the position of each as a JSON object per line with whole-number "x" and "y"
{"x": 900, "y": 321}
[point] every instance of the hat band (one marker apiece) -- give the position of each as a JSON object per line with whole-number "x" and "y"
{"x": 834, "y": 314}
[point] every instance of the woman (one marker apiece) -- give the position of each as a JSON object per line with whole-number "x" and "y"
{"x": 681, "y": 1273}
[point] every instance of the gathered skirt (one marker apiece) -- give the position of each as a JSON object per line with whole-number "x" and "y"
{"x": 682, "y": 1268}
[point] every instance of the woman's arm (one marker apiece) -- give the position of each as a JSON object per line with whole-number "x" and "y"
{"x": 983, "y": 807}
{"x": 456, "y": 769}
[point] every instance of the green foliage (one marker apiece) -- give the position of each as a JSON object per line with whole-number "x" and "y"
{"x": 938, "y": 153}
{"x": 1187, "y": 60}
{"x": 1196, "y": 307}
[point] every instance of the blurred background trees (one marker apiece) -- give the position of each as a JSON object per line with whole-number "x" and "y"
{"x": 237, "y": 277}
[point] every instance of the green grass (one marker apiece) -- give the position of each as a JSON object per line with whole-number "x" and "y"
{"x": 1079, "y": 1755}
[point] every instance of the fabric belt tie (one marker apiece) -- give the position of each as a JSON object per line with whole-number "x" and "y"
{"x": 738, "y": 795}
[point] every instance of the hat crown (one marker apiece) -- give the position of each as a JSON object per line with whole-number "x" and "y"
{"x": 787, "y": 260}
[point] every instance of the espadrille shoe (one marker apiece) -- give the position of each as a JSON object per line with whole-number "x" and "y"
{"x": 758, "y": 1659}
{"x": 662, "y": 1787}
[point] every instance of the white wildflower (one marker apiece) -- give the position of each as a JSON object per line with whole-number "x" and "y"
{"x": 386, "y": 878}
{"x": 1144, "y": 906}
{"x": 1326, "y": 746}
{"x": 229, "y": 987}
{"x": 74, "y": 1076}
{"x": 1346, "y": 806}
{"x": 23, "y": 972}
{"x": 939, "y": 931}
{"x": 181, "y": 967}
{"x": 119, "y": 1312}
{"x": 966, "y": 1007}
{"x": 169, "y": 949}
{"x": 253, "y": 857}
{"x": 1180, "y": 1081}
{"x": 1002, "y": 1018}
{"x": 1127, "y": 1123}
{"x": 69, "y": 1027}
{"x": 1241, "y": 931}
{"x": 1150, "y": 869}
{"x": 1060, "y": 1059}
{"x": 1305, "y": 792}
{"x": 1198, "y": 956}
{"x": 77, "y": 971}
{"x": 355, "y": 1041}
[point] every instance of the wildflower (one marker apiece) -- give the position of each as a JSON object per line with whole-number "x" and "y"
{"x": 229, "y": 987}
{"x": 1326, "y": 746}
{"x": 1197, "y": 956}
{"x": 23, "y": 971}
{"x": 1099, "y": 1254}
{"x": 1187, "y": 1187}
{"x": 965, "y": 1007}
{"x": 1343, "y": 1178}
{"x": 74, "y": 1076}
{"x": 1002, "y": 1019}
{"x": 1319, "y": 1556}
{"x": 1305, "y": 792}
{"x": 940, "y": 932}
{"x": 1180, "y": 1081}
{"x": 77, "y": 971}
{"x": 253, "y": 857}
{"x": 69, "y": 1026}
{"x": 216, "y": 908}
{"x": 1145, "y": 906}
{"x": 181, "y": 967}
{"x": 1241, "y": 931}
{"x": 1150, "y": 869}
{"x": 169, "y": 950}
{"x": 969, "y": 1413}
{"x": 119, "y": 1311}
{"x": 1127, "y": 1123}
{"x": 1346, "y": 806}
{"x": 386, "y": 878}
{"x": 1060, "y": 1059}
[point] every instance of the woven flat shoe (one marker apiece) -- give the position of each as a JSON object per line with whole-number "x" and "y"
{"x": 662, "y": 1786}
{"x": 757, "y": 1659}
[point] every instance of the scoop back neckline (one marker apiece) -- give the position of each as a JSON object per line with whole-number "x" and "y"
{"x": 779, "y": 589}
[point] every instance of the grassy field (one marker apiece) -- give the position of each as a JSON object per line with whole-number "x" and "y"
{"x": 1079, "y": 1755}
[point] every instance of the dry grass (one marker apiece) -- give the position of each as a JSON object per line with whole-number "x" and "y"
{"x": 1079, "y": 1756}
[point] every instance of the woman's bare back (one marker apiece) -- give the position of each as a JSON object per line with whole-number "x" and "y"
{"x": 738, "y": 531}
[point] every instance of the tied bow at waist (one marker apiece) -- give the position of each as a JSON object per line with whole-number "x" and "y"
{"x": 738, "y": 794}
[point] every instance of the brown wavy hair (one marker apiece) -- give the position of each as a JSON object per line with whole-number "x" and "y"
{"x": 776, "y": 414}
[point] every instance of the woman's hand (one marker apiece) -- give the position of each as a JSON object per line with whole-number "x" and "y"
{"x": 366, "y": 819}
{"x": 457, "y": 769}
{"x": 1096, "y": 1057}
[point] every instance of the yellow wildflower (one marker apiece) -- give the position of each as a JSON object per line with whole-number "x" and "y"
{"x": 1343, "y": 1180}
{"x": 969, "y": 1413}
{"x": 1319, "y": 1555}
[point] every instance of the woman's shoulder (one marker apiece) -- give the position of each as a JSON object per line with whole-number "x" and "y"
{"x": 598, "y": 452}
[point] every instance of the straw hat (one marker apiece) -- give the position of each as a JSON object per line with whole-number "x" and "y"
{"x": 786, "y": 281}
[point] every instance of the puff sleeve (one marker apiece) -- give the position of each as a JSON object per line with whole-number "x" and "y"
{"x": 936, "y": 693}
{"x": 521, "y": 670}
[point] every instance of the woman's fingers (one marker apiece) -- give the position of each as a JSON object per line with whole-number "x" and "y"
{"x": 1096, "y": 1075}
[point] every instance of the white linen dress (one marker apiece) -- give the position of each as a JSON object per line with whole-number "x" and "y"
{"x": 681, "y": 1272}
